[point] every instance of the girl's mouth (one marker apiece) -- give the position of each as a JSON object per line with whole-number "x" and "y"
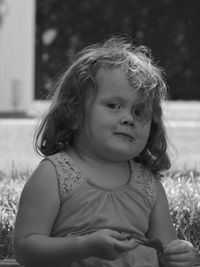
{"x": 125, "y": 135}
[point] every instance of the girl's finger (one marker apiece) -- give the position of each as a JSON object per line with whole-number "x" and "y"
{"x": 179, "y": 264}
{"x": 126, "y": 245}
{"x": 117, "y": 235}
{"x": 186, "y": 257}
{"x": 132, "y": 244}
{"x": 176, "y": 249}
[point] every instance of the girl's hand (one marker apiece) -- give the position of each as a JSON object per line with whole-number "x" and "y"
{"x": 178, "y": 253}
{"x": 109, "y": 245}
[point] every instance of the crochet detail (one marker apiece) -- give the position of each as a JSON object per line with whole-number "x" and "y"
{"x": 143, "y": 179}
{"x": 70, "y": 177}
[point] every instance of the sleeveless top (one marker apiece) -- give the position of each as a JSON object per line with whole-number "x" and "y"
{"x": 85, "y": 207}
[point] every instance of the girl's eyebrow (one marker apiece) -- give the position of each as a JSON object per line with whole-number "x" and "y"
{"x": 115, "y": 98}
{"x": 120, "y": 99}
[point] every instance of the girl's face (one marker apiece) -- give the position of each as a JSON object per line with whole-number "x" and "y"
{"x": 114, "y": 127}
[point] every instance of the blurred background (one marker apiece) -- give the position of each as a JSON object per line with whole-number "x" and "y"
{"x": 39, "y": 38}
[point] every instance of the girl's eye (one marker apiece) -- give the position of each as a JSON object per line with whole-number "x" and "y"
{"x": 141, "y": 113}
{"x": 113, "y": 106}
{"x": 138, "y": 112}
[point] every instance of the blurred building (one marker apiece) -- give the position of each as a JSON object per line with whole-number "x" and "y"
{"x": 17, "y": 45}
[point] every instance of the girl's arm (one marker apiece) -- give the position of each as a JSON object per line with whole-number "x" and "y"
{"x": 160, "y": 221}
{"x": 38, "y": 208}
{"x": 39, "y": 205}
{"x": 177, "y": 253}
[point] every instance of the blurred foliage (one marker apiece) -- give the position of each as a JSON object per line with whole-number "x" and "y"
{"x": 169, "y": 27}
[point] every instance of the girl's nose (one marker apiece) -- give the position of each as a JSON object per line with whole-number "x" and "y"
{"x": 128, "y": 120}
{"x": 128, "y": 123}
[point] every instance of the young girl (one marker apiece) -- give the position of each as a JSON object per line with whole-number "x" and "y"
{"x": 96, "y": 198}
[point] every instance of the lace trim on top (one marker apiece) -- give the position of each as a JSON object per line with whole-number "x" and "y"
{"x": 70, "y": 177}
{"x": 143, "y": 179}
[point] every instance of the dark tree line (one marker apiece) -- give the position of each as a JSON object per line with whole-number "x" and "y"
{"x": 171, "y": 28}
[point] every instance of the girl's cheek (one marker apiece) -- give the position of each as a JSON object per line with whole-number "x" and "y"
{"x": 145, "y": 127}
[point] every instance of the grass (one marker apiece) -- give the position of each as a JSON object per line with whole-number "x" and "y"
{"x": 182, "y": 188}
{"x": 11, "y": 185}
{"x": 183, "y": 192}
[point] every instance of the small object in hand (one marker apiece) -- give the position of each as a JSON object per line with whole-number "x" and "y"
{"x": 153, "y": 243}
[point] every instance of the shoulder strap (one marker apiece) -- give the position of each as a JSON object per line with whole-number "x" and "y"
{"x": 68, "y": 176}
{"x": 143, "y": 178}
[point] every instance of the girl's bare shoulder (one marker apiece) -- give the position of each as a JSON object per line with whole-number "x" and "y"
{"x": 42, "y": 181}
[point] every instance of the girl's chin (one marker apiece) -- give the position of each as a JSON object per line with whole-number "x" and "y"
{"x": 122, "y": 155}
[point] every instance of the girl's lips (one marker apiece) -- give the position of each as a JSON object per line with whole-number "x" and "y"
{"x": 125, "y": 135}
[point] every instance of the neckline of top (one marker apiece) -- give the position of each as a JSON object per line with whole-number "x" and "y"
{"x": 92, "y": 183}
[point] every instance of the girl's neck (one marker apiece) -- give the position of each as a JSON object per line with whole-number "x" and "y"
{"x": 102, "y": 172}
{"x": 90, "y": 158}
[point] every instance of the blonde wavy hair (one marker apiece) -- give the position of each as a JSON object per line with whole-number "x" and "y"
{"x": 55, "y": 131}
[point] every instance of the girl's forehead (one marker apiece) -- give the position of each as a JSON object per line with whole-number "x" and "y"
{"x": 114, "y": 82}
{"x": 109, "y": 79}
{"x": 110, "y": 74}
